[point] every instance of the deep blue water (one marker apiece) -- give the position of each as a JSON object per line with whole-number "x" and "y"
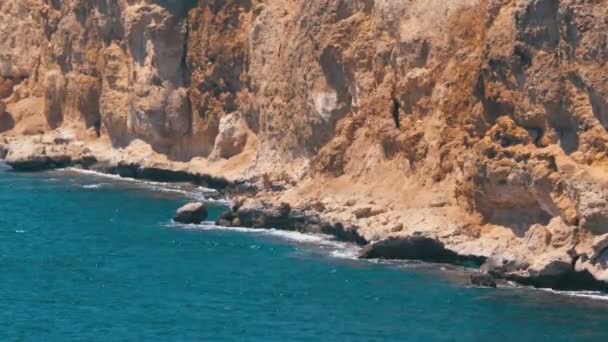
{"x": 103, "y": 263}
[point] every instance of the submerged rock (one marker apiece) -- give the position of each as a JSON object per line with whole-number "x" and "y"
{"x": 191, "y": 213}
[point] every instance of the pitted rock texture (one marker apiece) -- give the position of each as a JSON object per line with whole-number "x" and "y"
{"x": 477, "y": 122}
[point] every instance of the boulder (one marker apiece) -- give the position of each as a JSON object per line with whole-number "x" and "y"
{"x": 191, "y": 213}
{"x": 366, "y": 212}
{"x": 483, "y": 280}
{"x": 415, "y": 247}
{"x": 226, "y": 219}
{"x": 266, "y": 215}
{"x": 231, "y": 138}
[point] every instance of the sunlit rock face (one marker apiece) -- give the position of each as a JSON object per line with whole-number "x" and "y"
{"x": 503, "y": 105}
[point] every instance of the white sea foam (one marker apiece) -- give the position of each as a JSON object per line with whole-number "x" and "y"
{"x": 95, "y": 173}
{"x": 93, "y": 186}
{"x": 595, "y": 295}
{"x": 580, "y": 294}
{"x": 345, "y": 250}
{"x": 351, "y": 253}
{"x": 337, "y": 249}
{"x": 196, "y": 193}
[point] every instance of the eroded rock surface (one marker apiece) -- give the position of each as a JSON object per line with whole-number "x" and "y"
{"x": 481, "y": 123}
{"x": 191, "y": 213}
{"x": 415, "y": 247}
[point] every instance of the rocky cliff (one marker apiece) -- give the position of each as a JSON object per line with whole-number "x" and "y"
{"x": 479, "y": 123}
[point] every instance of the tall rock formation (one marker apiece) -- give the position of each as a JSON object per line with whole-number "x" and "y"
{"x": 468, "y": 120}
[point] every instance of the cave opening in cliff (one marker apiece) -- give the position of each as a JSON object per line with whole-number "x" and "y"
{"x": 395, "y": 113}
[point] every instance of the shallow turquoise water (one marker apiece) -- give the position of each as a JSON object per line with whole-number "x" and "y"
{"x": 103, "y": 263}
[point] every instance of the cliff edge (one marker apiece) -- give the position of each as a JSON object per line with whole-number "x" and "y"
{"x": 477, "y": 123}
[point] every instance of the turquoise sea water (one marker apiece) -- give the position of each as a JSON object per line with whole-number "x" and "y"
{"x": 94, "y": 259}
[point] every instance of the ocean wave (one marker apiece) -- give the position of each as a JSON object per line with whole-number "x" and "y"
{"x": 595, "y": 295}
{"x": 95, "y": 173}
{"x": 337, "y": 249}
{"x": 93, "y": 186}
{"x": 196, "y": 193}
{"x": 346, "y": 250}
{"x": 351, "y": 253}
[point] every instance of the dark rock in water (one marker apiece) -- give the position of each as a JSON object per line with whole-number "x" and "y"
{"x": 264, "y": 215}
{"x": 191, "y": 213}
{"x": 212, "y": 182}
{"x": 3, "y": 151}
{"x": 261, "y": 214}
{"x": 483, "y": 279}
{"x": 415, "y": 248}
{"x": 103, "y": 167}
{"x": 127, "y": 170}
{"x": 559, "y": 275}
{"x": 342, "y": 233}
{"x": 568, "y": 281}
{"x": 161, "y": 174}
{"x": 40, "y": 163}
{"x": 412, "y": 247}
{"x": 226, "y": 219}
{"x": 165, "y": 175}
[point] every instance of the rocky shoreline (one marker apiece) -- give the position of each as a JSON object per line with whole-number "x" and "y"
{"x": 455, "y": 131}
{"x": 252, "y": 210}
{"x": 35, "y": 156}
{"x": 251, "y": 213}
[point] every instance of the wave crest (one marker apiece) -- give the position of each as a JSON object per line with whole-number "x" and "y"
{"x": 337, "y": 249}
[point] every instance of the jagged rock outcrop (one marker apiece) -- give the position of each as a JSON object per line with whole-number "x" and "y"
{"x": 262, "y": 214}
{"x": 191, "y": 213}
{"x": 483, "y": 122}
{"x": 37, "y": 155}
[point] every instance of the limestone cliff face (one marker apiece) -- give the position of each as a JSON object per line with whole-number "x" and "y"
{"x": 500, "y": 106}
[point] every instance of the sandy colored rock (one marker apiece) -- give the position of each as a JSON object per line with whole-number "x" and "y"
{"x": 480, "y": 123}
{"x": 232, "y": 137}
